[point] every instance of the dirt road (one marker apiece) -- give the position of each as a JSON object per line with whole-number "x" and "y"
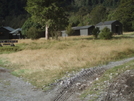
{"x": 15, "y": 89}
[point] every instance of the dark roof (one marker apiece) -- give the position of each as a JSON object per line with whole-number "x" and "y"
{"x": 76, "y": 28}
{"x": 81, "y": 27}
{"x": 106, "y": 23}
{"x": 8, "y": 28}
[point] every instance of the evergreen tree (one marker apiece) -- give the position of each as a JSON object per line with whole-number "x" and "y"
{"x": 125, "y": 14}
{"x": 69, "y": 29}
{"x": 98, "y": 14}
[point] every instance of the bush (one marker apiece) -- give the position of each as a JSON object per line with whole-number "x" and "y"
{"x": 69, "y": 30}
{"x": 34, "y": 33}
{"x": 28, "y": 24}
{"x": 105, "y": 34}
{"x": 96, "y": 32}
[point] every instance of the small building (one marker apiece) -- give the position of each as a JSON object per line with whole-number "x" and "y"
{"x": 5, "y": 32}
{"x": 10, "y": 33}
{"x": 114, "y": 26}
{"x": 80, "y": 31}
{"x": 86, "y": 30}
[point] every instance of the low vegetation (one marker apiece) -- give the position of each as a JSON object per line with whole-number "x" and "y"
{"x": 105, "y": 33}
{"x": 7, "y": 49}
{"x": 34, "y": 33}
{"x": 42, "y": 62}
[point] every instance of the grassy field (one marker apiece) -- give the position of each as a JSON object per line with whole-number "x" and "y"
{"x": 41, "y": 62}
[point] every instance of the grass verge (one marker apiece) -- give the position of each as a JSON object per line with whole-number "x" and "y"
{"x": 9, "y": 49}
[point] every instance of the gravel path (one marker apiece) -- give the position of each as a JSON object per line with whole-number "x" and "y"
{"x": 67, "y": 89}
{"x": 15, "y": 89}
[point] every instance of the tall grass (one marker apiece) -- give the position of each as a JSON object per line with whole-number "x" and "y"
{"x": 41, "y": 62}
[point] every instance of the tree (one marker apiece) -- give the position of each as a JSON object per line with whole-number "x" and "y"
{"x": 69, "y": 29}
{"x": 96, "y": 32}
{"x": 98, "y": 14}
{"x": 125, "y": 14}
{"x": 46, "y": 12}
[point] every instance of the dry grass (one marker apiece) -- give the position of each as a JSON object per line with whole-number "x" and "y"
{"x": 42, "y": 66}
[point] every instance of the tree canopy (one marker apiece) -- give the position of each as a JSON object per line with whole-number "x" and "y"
{"x": 53, "y": 12}
{"x": 48, "y": 13}
{"x": 125, "y": 14}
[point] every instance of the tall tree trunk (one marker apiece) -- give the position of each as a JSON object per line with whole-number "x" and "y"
{"x": 46, "y": 32}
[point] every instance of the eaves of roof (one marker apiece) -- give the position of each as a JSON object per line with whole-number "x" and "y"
{"x": 81, "y": 27}
{"x": 8, "y": 28}
{"x": 105, "y": 23}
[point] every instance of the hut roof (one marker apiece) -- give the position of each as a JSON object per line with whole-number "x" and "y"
{"x": 8, "y": 28}
{"x": 81, "y": 27}
{"x": 105, "y": 23}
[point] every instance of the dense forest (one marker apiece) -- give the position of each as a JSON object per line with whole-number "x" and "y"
{"x": 12, "y": 13}
{"x": 16, "y": 13}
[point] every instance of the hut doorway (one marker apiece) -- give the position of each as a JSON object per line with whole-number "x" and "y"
{"x": 117, "y": 29}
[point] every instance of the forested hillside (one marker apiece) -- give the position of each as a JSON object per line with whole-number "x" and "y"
{"x": 12, "y": 13}
{"x": 79, "y": 12}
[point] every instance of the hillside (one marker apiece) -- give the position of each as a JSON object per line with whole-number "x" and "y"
{"x": 79, "y": 12}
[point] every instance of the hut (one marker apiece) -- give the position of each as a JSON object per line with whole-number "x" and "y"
{"x": 5, "y": 32}
{"x": 10, "y": 33}
{"x": 80, "y": 31}
{"x": 114, "y": 26}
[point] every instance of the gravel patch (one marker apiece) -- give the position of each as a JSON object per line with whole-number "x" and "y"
{"x": 15, "y": 89}
{"x": 70, "y": 88}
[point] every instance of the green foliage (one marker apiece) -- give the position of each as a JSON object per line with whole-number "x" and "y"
{"x": 46, "y": 11}
{"x": 80, "y": 3}
{"x": 74, "y": 19}
{"x": 69, "y": 29}
{"x": 9, "y": 49}
{"x": 20, "y": 72}
{"x": 14, "y": 21}
{"x": 125, "y": 14}
{"x": 28, "y": 24}
{"x": 96, "y": 32}
{"x": 105, "y": 33}
{"x": 98, "y": 14}
{"x": 55, "y": 34}
{"x": 12, "y": 13}
{"x": 34, "y": 33}
{"x": 48, "y": 14}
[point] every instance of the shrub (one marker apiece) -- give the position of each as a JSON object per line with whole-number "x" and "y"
{"x": 69, "y": 30}
{"x": 27, "y": 25}
{"x": 95, "y": 32}
{"x": 105, "y": 33}
{"x": 34, "y": 33}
